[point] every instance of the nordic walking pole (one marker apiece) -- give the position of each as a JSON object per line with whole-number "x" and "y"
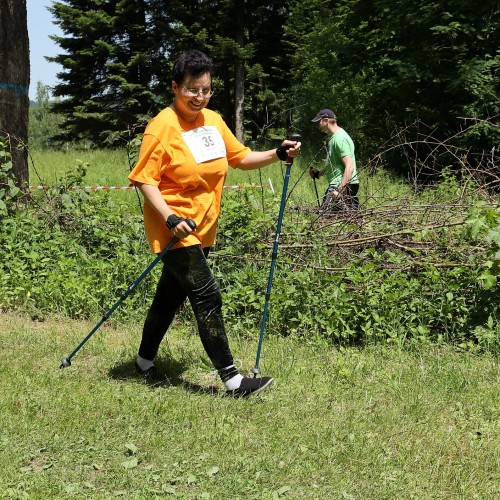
{"x": 316, "y": 189}
{"x": 67, "y": 360}
{"x": 288, "y": 164}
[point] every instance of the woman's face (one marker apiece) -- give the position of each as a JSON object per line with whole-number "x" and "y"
{"x": 192, "y": 95}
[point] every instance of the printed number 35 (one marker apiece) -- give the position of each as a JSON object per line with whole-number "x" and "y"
{"x": 208, "y": 141}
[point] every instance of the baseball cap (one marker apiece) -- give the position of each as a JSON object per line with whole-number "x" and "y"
{"x": 324, "y": 113}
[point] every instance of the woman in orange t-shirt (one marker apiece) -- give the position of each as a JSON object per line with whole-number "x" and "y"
{"x": 183, "y": 162}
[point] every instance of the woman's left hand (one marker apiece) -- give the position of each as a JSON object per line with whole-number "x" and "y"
{"x": 293, "y": 148}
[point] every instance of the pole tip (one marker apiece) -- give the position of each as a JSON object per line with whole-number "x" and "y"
{"x": 65, "y": 362}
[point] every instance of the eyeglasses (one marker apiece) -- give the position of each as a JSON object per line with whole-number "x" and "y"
{"x": 196, "y": 92}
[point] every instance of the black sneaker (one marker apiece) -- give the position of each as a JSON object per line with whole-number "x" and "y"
{"x": 151, "y": 374}
{"x": 250, "y": 386}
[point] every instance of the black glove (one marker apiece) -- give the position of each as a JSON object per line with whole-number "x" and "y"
{"x": 281, "y": 152}
{"x": 314, "y": 173}
{"x": 174, "y": 219}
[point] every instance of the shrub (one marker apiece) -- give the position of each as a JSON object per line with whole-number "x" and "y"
{"x": 9, "y": 192}
{"x": 74, "y": 254}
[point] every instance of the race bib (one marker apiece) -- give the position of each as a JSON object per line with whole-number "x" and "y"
{"x": 205, "y": 143}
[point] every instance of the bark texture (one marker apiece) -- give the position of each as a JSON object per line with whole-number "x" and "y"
{"x": 14, "y": 83}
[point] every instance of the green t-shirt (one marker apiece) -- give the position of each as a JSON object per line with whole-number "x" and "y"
{"x": 339, "y": 145}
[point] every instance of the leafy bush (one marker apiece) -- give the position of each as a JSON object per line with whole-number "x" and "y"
{"x": 379, "y": 295}
{"x": 73, "y": 254}
{"x": 9, "y": 192}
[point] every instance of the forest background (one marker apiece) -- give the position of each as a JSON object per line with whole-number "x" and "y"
{"x": 378, "y": 65}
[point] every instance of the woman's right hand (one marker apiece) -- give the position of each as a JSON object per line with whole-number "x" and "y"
{"x": 179, "y": 226}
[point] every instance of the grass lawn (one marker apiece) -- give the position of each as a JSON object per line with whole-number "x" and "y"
{"x": 337, "y": 423}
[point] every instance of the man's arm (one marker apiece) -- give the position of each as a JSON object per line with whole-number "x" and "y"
{"x": 348, "y": 171}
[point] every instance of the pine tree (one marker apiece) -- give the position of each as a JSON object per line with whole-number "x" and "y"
{"x": 118, "y": 56}
{"x": 113, "y": 77}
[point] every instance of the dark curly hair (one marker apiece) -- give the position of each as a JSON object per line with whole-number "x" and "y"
{"x": 192, "y": 63}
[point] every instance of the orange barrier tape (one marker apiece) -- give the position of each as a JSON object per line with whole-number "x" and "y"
{"x": 92, "y": 188}
{"x": 126, "y": 188}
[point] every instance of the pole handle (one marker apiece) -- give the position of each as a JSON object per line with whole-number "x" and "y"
{"x": 292, "y": 137}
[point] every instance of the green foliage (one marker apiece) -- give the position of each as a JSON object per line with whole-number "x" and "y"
{"x": 484, "y": 226}
{"x": 364, "y": 304}
{"x": 115, "y": 74}
{"x": 382, "y": 66}
{"x": 118, "y": 56}
{"x": 480, "y": 76}
{"x": 9, "y": 192}
{"x": 316, "y": 38}
{"x": 73, "y": 252}
{"x": 380, "y": 296}
{"x": 243, "y": 223}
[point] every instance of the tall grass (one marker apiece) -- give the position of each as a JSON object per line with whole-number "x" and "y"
{"x": 111, "y": 168}
{"x": 106, "y": 167}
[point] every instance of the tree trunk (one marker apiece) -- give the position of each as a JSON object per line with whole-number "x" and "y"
{"x": 239, "y": 98}
{"x": 14, "y": 83}
{"x": 239, "y": 77}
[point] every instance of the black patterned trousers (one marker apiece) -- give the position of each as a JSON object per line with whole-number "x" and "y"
{"x": 186, "y": 274}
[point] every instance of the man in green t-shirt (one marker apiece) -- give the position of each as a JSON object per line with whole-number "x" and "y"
{"x": 340, "y": 168}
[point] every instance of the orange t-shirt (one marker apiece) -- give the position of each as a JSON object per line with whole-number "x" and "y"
{"x": 193, "y": 190}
